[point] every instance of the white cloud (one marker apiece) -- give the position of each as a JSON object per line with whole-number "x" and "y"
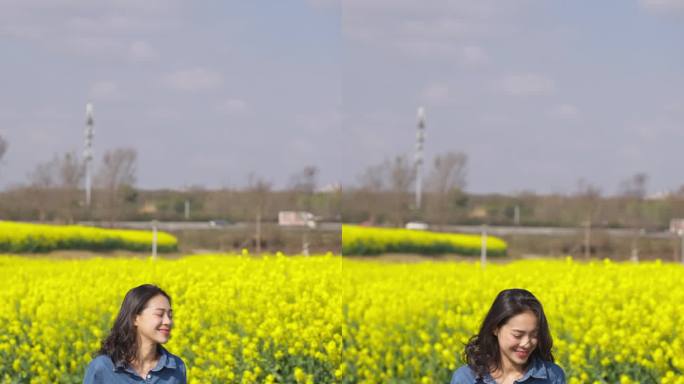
{"x": 666, "y": 6}
{"x": 40, "y": 137}
{"x": 441, "y": 48}
{"x": 494, "y": 119}
{"x": 104, "y": 90}
{"x": 474, "y": 55}
{"x": 319, "y": 122}
{"x": 426, "y": 29}
{"x": 675, "y": 107}
{"x": 435, "y": 94}
{"x": 50, "y": 112}
{"x": 231, "y": 106}
{"x": 324, "y": 3}
{"x": 405, "y": 8}
{"x": 565, "y": 112}
{"x": 443, "y": 28}
{"x": 302, "y": 147}
{"x": 92, "y": 46}
{"x": 426, "y": 49}
{"x": 196, "y": 79}
{"x": 101, "y": 30}
{"x": 70, "y": 6}
{"x": 27, "y": 32}
{"x": 108, "y": 24}
{"x": 141, "y": 51}
{"x": 527, "y": 85}
{"x": 8, "y": 114}
{"x": 163, "y": 113}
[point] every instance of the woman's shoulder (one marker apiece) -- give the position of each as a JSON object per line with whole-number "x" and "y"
{"x": 554, "y": 372}
{"x": 177, "y": 359}
{"x": 174, "y": 359}
{"x": 99, "y": 369}
{"x": 100, "y": 362}
{"x": 463, "y": 375}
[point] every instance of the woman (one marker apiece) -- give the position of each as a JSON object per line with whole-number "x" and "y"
{"x": 513, "y": 345}
{"x": 132, "y": 351}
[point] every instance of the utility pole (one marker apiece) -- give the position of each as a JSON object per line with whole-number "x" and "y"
{"x": 483, "y": 246}
{"x": 154, "y": 239}
{"x": 420, "y": 138}
{"x": 635, "y": 246}
{"x": 587, "y": 239}
{"x": 88, "y": 151}
{"x": 681, "y": 235}
{"x": 258, "y": 232}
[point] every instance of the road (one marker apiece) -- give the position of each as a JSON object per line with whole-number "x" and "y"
{"x": 172, "y": 226}
{"x": 331, "y": 226}
{"x": 552, "y": 231}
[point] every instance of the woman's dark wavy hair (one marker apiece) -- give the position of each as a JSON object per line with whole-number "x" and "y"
{"x": 482, "y": 351}
{"x": 121, "y": 344}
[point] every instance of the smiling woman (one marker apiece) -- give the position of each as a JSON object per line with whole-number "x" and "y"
{"x": 133, "y": 350}
{"x": 513, "y": 345}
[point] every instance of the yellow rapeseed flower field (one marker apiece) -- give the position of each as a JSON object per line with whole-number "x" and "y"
{"x": 611, "y": 322}
{"x": 26, "y": 237}
{"x": 325, "y": 319}
{"x": 358, "y": 240}
{"x": 237, "y": 319}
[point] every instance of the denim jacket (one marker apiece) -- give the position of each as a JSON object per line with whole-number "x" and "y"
{"x": 170, "y": 369}
{"x": 539, "y": 372}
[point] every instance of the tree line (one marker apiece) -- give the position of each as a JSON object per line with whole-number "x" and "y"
{"x": 382, "y": 195}
{"x": 54, "y": 192}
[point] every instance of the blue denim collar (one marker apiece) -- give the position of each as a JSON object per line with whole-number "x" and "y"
{"x": 537, "y": 369}
{"x": 165, "y": 361}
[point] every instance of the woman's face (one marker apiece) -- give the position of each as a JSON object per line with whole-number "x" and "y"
{"x": 518, "y": 338}
{"x": 155, "y": 321}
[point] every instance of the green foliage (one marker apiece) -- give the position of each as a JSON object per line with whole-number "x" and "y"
{"x": 358, "y": 240}
{"x": 31, "y": 238}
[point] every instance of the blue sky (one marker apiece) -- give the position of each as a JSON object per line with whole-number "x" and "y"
{"x": 205, "y": 94}
{"x": 538, "y": 94}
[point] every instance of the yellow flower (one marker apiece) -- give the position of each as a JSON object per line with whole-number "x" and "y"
{"x": 325, "y": 319}
{"x": 299, "y": 375}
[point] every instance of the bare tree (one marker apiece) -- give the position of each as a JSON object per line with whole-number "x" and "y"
{"x": 371, "y": 187}
{"x": 587, "y": 189}
{"x": 115, "y": 178}
{"x": 43, "y": 176}
{"x": 70, "y": 172}
{"x": 635, "y": 186}
{"x": 41, "y": 182}
{"x": 303, "y": 185}
{"x": 679, "y": 192}
{"x": 373, "y": 178}
{"x": 54, "y": 186}
{"x": 259, "y": 191}
{"x": 447, "y": 177}
{"x": 588, "y": 202}
{"x": 3, "y": 147}
{"x": 634, "y": 191}
{"x": 588, "y": 198}
{"x": 401, "y": 175}
{"x": 305, "y": 180}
